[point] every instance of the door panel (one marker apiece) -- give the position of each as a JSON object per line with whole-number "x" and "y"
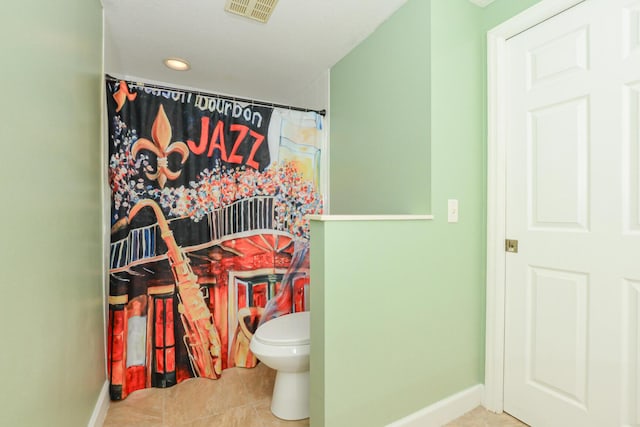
{"x": 631, "y": 374}
{"x": 632, "y": 175}
{"x": 557, "y": 333}
{"x": 559, "y": 181}
{"x": 559, "y": 57}
{"x": 631, "y": 28}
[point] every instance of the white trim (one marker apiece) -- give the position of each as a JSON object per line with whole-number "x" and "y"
{"x": 106, "y": 203}
{"x": 496, "y": 181}
{"x": 325, "y": 218}
{"x": 102, "y": 406}
{"x": 482, "y": 3}
{"x": 325, "y": 177}
{"x": 445, "y": 410}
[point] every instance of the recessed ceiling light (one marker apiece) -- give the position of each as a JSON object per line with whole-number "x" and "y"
{"x": 177, "y": 64}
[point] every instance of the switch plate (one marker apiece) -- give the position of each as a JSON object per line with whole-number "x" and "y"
{"x": 452, "y": 210}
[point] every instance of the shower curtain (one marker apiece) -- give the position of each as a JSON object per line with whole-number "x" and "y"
{"x": 208, "y": 231}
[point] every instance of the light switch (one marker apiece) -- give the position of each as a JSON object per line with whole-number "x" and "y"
{"x": 452, "y": 210}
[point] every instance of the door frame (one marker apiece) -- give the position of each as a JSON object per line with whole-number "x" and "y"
{"x": 496, "y": 189}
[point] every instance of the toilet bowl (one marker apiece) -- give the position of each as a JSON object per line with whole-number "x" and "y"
{"x": 284, "y": 344}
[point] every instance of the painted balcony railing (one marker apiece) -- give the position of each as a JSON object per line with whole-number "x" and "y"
{"x": 246, "y": 215}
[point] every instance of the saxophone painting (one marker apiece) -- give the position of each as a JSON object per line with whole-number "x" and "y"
{"x": 201, "y": 339}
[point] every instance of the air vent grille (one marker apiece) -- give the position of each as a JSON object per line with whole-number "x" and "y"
{"x": 260, "y": 10}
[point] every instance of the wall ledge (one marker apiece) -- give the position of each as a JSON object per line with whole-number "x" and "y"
{"x": 369, "y": 217}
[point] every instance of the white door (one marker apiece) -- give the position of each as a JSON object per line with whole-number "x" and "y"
{"x": 572, "y": 314}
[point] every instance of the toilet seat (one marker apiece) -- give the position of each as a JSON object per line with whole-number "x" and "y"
{"x": 287, "y": 330}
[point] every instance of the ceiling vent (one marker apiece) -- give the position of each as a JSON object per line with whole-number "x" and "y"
{"x": 260, "y": 10}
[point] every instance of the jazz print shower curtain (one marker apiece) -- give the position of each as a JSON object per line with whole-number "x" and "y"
{"x": 208, "y": 230}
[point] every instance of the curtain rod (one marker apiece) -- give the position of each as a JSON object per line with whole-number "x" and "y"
{"x": 227, "y": 97}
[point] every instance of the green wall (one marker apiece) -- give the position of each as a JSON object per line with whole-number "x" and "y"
{"x": 501, "y": 10}
{"x": 393, "y": 328}
{"x": 402, "y": 303}
{"x": 380, "y": 120}
{"x": 51, "y": 321}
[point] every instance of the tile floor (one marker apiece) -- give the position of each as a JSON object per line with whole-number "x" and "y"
{"x": 480, "y": 417}
{"x": 240, "y": 398}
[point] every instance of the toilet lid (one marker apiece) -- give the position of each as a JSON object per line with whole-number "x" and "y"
{"x": 290, "y": 329}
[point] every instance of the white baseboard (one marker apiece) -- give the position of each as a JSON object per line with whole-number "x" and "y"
{"x": 101, "y": 408}
{"x": 444, "y": 411}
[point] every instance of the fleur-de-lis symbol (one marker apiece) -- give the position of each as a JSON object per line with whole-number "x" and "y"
{"x": 162, "y": 148}
{"x": 122, "y": 95}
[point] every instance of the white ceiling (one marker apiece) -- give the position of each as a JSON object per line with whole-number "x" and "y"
{"x": 234, "y": 55}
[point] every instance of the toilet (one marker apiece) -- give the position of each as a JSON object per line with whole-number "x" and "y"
{"x": 284, "y": 344}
